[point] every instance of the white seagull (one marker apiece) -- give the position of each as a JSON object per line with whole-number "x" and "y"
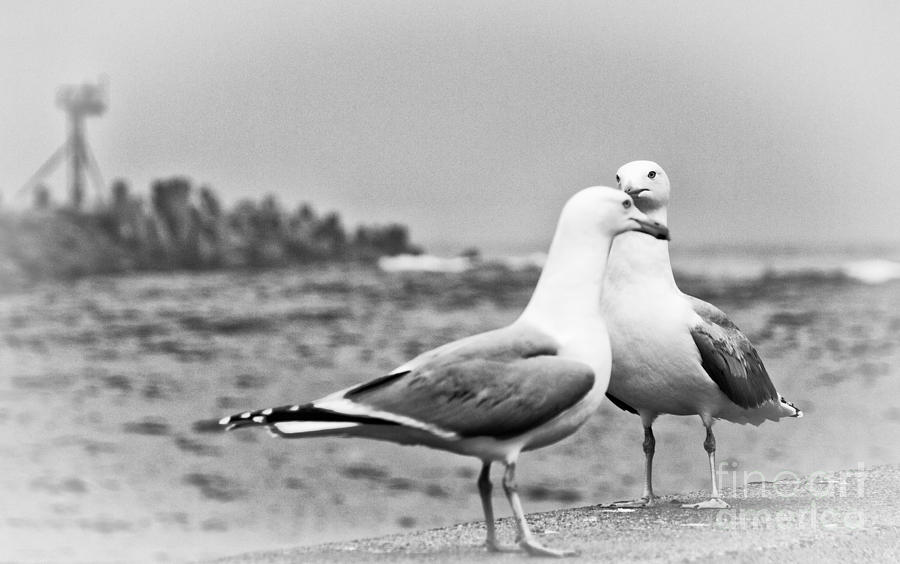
{"x": 496, "y": 394}
{"x": 673, "y": 353}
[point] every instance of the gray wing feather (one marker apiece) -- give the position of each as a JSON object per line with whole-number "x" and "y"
{"x": 501, "y": 384}
{"x": 728, "y": 357}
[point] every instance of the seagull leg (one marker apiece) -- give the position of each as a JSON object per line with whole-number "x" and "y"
{"x": 525, "y": 538}
{"x": 715, "y": 502}
{"x": 485, "y": 488}
{"x": 648, "y": 498}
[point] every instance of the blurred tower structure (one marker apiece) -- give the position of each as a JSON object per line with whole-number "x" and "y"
{"x": 78, "y": 101}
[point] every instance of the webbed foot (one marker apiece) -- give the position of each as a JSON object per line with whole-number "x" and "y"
{"x": 714, "y": 503}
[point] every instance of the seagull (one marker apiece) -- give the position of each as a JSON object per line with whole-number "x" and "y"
{"x": 496, "y": 394}
{"x": 673, "y": 353}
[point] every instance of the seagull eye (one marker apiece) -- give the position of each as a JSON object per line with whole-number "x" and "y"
{"x": 626, "y": 204}
{"x": 651, "y": 175}
{"x": 618, "y": 179}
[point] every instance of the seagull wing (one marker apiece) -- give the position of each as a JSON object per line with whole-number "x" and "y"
{"x": 498, "y": 384}
{"x": 729, "y": 358}
{"x": 621, "y": 404}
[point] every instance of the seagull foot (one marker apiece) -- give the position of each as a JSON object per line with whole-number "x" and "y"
{"x": 534, "y": 548}
{"x": 714, "y": 503}
{"x": 635, "y": 503}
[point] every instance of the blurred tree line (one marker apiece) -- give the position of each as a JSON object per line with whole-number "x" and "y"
{"x": 179, "y": 230}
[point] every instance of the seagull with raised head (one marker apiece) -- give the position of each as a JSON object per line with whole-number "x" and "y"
{"x": 673, "y": 353}
{"x": 496, "y": 394}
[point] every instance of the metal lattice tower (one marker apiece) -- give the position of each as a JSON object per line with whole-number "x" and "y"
{"x": 78, "y": 101}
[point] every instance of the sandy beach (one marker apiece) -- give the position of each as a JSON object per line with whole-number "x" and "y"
{"x": 110, "y": 388}
{"x": 838, "y": 517}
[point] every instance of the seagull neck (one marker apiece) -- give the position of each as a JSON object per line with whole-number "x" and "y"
{"x": 637, "y": 258}
{"x": 572, "y": 279}
{"x": 660, "y": 214}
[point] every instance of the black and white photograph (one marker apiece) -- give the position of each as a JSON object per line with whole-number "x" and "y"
{"x": 443, "y": 281}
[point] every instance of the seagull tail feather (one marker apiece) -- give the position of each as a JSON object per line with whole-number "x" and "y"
{"x": 794, "y": 411}
{"x": 297, "y": 420}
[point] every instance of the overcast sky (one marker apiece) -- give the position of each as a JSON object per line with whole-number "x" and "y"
{"x": 778, "y": 122}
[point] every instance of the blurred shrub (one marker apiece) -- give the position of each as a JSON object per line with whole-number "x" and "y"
{"x": 182, "y": 228}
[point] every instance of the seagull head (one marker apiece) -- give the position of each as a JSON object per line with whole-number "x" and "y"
{"x": 609, "y": 212}
{"x": 646, "y": 182}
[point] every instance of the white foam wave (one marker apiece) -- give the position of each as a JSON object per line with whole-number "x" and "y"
{"x": 523, "y": 262}
{"x": 424, "y": 263}
{"x": 736, "y": 268}
{"x": 724, "y": 268}
{"x": 872, "y": 271}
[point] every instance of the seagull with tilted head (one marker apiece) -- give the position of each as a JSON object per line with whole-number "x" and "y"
{"x": 496, "y": 394}
{"x": 673, "y": 353}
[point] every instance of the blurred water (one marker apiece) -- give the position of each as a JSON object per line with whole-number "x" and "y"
{"x": 728, "y": 264}
{"x": 871, "y": 264}
{"x": 110, "y": 388}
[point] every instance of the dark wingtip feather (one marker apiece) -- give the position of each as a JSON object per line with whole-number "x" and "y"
{"x": 307, "y": 412}
{"x": 797, "y": 411}
{"x": 248, "y": 418}
{"x": 621, "y": 404}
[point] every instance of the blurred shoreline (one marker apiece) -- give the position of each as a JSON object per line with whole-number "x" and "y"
{"x": 180, "y": 229}
{"x": 183, "y": 228}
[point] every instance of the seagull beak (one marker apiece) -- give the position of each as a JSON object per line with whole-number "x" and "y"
{"x": 635, "y": 192}
{"x": 650, "y": 227}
